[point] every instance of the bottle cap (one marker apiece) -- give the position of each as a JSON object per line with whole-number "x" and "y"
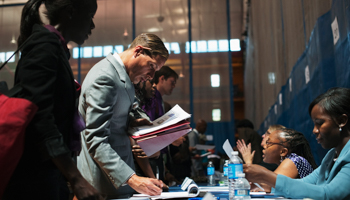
{"x": 234, "y": 153}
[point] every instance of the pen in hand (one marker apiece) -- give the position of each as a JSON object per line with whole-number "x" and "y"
{"x": 259, "y": 186}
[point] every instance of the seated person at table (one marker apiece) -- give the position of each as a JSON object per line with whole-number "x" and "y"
{"x": 248, "y": 155}
{"x": 290, "y": 150}
{"x": 331, "y": 179}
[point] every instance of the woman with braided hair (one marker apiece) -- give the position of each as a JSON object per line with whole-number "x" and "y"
{"x": 330, "y": 113}
{"x": 290, "y": 150}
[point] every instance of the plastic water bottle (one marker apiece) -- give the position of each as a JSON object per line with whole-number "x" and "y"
{"x": 235, "y": 167}
{"x": 242, "y": 188}
{"x": 225, "y": 171}
{"x": 211, "y": 171}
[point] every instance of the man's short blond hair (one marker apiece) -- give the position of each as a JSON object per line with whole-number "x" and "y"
{"x": 153, "y": 42}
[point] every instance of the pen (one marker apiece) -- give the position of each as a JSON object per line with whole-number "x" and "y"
{"x": 259, "y": 186}
{"x": 157, "y": 174}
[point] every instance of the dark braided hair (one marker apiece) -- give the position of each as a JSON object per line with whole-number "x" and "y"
{"x": 298, "y": 144}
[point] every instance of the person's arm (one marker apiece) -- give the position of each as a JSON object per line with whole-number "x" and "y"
{"x": 246, "y": 151}
{"x": 38, "y": 77}
{"x": 141, "y": 161}
{"x": 306, "y": 187}
{"x": 287, "y": 168}
{"x": 81, "y": 188}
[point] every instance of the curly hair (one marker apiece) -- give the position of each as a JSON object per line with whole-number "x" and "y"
{"x": 298, "y": 144}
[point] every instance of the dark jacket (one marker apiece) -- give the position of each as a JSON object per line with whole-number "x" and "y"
{"x": 47, "y": 80}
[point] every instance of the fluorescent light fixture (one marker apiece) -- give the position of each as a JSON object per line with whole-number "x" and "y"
{"x": 98, "y": 51}
{"x": 2, "y": 57}
{"x": 107, "y": 49}
{"x": 175, "y": 47}
{"x": 87, "y": 52}
{"x": 215, "y": 80}
{"x": 8, "y": 55}
{"x": 216, "y": 114}
{"x": 223, "y": 45}
{"x": 272, "y": 78}
{"x": 212, "y": 45}
{"x": 118, "y": 49}
{"x": 235, "y": 45}
{"x": 202, "y": 46}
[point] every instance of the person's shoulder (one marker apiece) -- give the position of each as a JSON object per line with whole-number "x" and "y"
{"x": 41, "y": 34}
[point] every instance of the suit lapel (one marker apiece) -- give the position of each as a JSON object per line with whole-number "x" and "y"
{"x": 120, "y": 68}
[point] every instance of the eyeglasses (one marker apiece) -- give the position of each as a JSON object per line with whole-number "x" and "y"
{"x": 269, "y": 144}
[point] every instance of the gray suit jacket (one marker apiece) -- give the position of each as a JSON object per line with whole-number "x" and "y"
{"x": 106, "y": 98}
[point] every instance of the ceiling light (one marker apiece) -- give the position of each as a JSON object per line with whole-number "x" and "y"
{"x": 13, "y": 40}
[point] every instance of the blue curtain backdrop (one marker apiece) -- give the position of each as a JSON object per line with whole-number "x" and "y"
{"x": 328, "y": 65}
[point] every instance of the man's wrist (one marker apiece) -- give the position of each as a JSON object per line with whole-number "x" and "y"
{"x": 127, "y": 181}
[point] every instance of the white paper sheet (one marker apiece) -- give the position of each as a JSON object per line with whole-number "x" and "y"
{"x": 228, "y": 148}
{"x": 173, "y": 116}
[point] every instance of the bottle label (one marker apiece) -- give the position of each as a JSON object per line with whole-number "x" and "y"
{"x": 210, "y": 171}
{"x": 242, "y": 192}
{"x": 234, "y": 170}
{"x": 225, "y": 171}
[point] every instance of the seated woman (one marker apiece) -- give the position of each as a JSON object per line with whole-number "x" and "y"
{"x": 248, "y": 154}
{"x": 290, "y": 150}
{"x": 331, "y": 179}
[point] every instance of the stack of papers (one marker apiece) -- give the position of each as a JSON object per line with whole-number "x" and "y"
{"x": 163, "y": 132}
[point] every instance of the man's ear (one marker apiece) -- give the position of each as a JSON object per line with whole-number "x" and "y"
{"x": 161, "y": 78}
{"x": 342, "y": 120}
{"x": 137, "y": 50}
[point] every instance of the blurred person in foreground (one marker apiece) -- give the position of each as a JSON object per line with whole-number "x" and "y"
{"x": 47, "y": 80}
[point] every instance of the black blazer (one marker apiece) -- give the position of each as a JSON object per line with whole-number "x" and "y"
{"x": 47, "y": 80}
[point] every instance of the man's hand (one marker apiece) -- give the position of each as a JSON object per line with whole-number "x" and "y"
{"x": 144, "y": 185}
{"x": 140, "y": 122}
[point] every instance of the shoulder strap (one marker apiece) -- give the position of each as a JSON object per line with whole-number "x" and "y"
{"x": 19, "y": 48}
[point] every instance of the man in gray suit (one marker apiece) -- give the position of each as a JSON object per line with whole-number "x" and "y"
{"x": 107, "y": 95}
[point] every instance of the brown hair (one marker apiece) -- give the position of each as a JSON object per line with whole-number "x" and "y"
{"x": 153, "y": 42}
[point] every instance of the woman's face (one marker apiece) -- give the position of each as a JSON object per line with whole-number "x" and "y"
{"x": 80, "y": 23}
{"x": 273, "y": 148}
{"x": 326, "y": 130}
{"x": 265, "y": 137}
{"x": 150, "y": 89}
